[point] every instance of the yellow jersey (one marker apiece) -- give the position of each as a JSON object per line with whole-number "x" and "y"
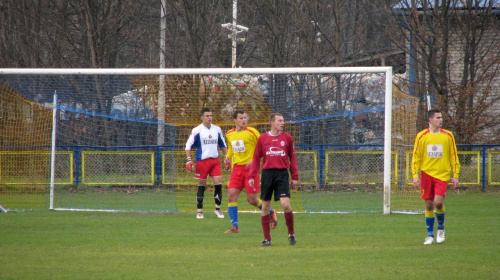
{"x": 241, "y": 144}
{"x": 436, "y": 155}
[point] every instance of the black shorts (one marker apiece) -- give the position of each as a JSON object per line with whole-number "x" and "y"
{"x": 274, "y": 181}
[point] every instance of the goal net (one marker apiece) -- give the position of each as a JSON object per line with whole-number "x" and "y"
{"x": 120, "y": 134}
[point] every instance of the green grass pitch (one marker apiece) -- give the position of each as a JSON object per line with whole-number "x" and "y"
{"x": 101, "y": 245}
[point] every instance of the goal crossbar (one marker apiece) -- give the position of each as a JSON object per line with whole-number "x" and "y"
{"x": 194, "y": 71}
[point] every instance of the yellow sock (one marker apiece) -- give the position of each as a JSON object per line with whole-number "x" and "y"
{"x": 259, "y": 204}
{"x": 429, "y": 214}
{"x": 440, "y": 211}
{"x": 429, "y": 221}
{"x": 440, "y": 217}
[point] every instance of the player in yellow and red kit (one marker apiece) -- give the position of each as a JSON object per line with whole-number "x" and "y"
{"x": 435, "y": 156}
{"x": 241, "y": 142}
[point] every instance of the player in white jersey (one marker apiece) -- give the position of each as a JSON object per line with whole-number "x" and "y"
{"x": 206, "y": 138}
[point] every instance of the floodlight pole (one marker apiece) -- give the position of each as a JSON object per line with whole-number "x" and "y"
{"x": 235, "y": 30}
{"x": 234, "y": 43}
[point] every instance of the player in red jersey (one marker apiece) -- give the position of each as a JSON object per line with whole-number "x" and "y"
{"x": 276, "y": 149}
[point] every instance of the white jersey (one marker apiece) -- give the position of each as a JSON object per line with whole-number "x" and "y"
{"x": 207, "y": 141}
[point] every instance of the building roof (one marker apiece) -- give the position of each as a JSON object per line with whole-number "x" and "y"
{"x": 405, "y": 4}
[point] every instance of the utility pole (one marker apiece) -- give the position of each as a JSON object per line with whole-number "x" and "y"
{"x": 235, "y": 30}
{"x": 234, "y": 44}
{"x": 161, "y": 91}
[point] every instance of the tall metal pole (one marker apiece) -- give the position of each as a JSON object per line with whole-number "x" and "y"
{"x": 387, "y": 141}
{"x": 161, "y": 91}
{"x": 53, "y": 153}
{"x": 233, "y": 34}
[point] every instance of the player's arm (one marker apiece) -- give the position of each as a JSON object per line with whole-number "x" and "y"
{"x": 253, "y": 144}
{"x": 224, "y": 151}
{"x": 249, "y": 164}
{"x": 254, "y": 169}
{"x": 294, "y": 169}
{"x": 189, "y": 146}
{"x": 189, "y": 161}
{"x": 415, "y": 162}
{"x": 455, "y": 163}
{"x": 221, "y": 141}
{"x": 229, "y": 155}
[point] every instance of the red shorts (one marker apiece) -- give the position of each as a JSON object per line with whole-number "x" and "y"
{"x": 208, "y": 167}
{"x": 239, "y": 178}
{"x": 430, "y": 186}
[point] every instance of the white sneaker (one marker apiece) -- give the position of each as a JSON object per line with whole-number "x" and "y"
{"x": 429, "y": 240}
{"x": 219, "y": 214}
{"x": 440, "y": 236}
{"x": 200, "y": 215}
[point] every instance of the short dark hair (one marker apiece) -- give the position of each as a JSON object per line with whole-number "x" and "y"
{"x": 204, "y": 110}
{"x": 273, "y": 116}
{"x": 235, "y": 114}
{"x": 431, "y": 113}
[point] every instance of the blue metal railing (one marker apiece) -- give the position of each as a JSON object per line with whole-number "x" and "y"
{"x": 320, "y": 149}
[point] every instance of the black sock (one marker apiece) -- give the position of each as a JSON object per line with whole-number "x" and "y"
{"x": 218, "y": 195}
{"x": 199, "y": 196}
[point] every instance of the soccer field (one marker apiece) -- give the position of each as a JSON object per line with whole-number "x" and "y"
{"x": 98, "y": 245}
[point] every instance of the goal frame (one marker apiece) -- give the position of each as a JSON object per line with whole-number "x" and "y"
{"x": 386, "y": 70}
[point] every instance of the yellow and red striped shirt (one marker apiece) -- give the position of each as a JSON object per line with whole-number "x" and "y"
{"x": 436, "y": 155}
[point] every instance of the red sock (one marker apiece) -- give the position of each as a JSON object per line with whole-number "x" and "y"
{"x": 266, "y": 228}
{"x": 289, "y": 222}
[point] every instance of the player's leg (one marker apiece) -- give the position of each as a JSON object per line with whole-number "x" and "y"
{"x": 254, "y": 200}
{"x": 218, "y": 196}
{"x": 429, "y": 217}
{"x": 265, "y": 221}
{"x": 232, "y": 209}
{"x": 199, "y": 197}
{"x": 289, "y": 220}
{"x": 440, "y": 188}
{"x": 234, "y": 187}
{"x": 427, "y": 193}
{"x": 287, "y": 208}
{"x": 201, "y": 174}
{"x": 216, "y": 173}
{"x": 285, "y": 202}
{"x": 282, "y": 192}
{"x": 440, "y": 236}
{"x": 439, "y": 209}
{"x": 266, "y": 195}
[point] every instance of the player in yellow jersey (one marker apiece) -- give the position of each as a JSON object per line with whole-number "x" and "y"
{"x": 435, "y": 156}
{"x": 241, "y": 141}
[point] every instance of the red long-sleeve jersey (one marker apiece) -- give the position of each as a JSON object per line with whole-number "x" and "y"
{"x": 278, "y": 153}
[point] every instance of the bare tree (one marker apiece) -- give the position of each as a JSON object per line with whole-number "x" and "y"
{"x": 454, "y": 56}
{"x": 452, "y": 45}
{"x": 111, "y": 33}
{"x": 19, "y": 26}
{"x": 76, "y": 33}
{"x": 194, "y": 32}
